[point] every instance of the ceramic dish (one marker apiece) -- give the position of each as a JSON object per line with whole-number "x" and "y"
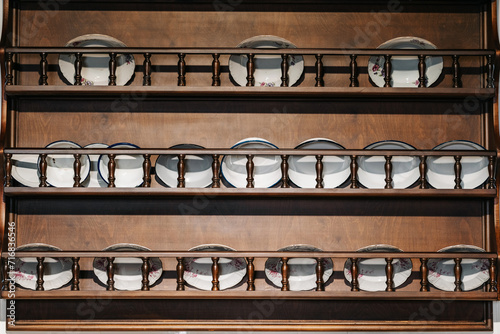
{"x": 405, "y": 169}
{"x": 127, "y": 271}
{"x": 60, "y": 170}
{"x": 371, "y": 272}
{"x": 94, "y": 180}
{"x": 57, "y": 271}
{"x": 25, "y": 169}
{"x": 128, "y": 172}
{"x": 405, "y": 68}
{"x": 302, "y": 270}
{"x": 302, "y": 170}
{"x": 198, "y": 270}
{"x": 267, "y": 170}
{"x": 95, "y": 68}
{"x": 198, "y": 169}
{"x": 475, "y": 272}
{"x": 441, "y": 170}
{"x": 267, "y": 67}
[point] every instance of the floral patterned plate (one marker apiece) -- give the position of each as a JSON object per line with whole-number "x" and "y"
{"x": 405, "y": 68}
{"x": 371, "y": 272}
{"x": 198, "y": 270}
{"x": 475, "y": 272}
{"x": 128, "y": 271}
{"x": 95, "y": 69}
{"x": 302, "y": 270}
{"x": 57, "y": 270}
{"x": 267, "y": 67}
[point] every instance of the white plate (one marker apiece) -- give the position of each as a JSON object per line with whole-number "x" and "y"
{"x": 302, "y": 270}
{"x": 302, "y": 170}
{"x": 267, "y": 67}
{"x": 198, "y": 169}
{"x": 25, "y": 169}
{"x": 371, "y": 272}
{"x": 60, "y": 171}
{"x": 475, "y": 272}
{"x": 441, "y": 170}
{"x": 267, "y": 168}
{"x": 95, "y": 68}
{"x": 128, "y": 171}
{"x": 405, "y": 68}
{"x": 94, "y": 180}
{"x": 198, "y": 271}
{"x": 127, "y": 271}
{"x": 57, "y": 271}
{"x": 405, "y": 169}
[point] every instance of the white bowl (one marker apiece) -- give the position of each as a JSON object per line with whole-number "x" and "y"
{"x": 441, "y": 170}
{"x": 405, "y": 68}
{"x": 267, "y": 67}
{"x": 267, "y": 168}
{"x": 60, "y": 171}
{"x": 302, "y": 270}
{"x": 405, "y": 169}
{"x": 475, "y": 272}
{"x": 57, "y": 271}
{"x": 25, "y": 169}
{"x": 198, "y": 168}
{"x": 302, "y": 169}
{"x": 127, "y": 271}
{"x": 198, "y": 271}
{"x": 95, "y": 68}
{"x": 371, "y": 272}
{"x": 128, "y": 171}
{"x": 94, "y": 180}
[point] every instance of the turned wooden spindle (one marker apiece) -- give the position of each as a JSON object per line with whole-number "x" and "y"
{"x": 44, "y": 65}
{"x": 353, "y": 65}
{"x": 111, "y": 171}
{"x": 40, "y": 268}
{"x": 112, "y": 69}
{"x": 78, "y": 68}
{"x": 284, "y": 172}
{"x": 490, "y": 79}
{"x": 75, "y": 270}
{"x": 354, "y": 172}
{"x": 423, "y": 169}
{"x": 146, "y": 170}
{"x": 251, "y": 274}
{"x": 457, "y": 82}
{"x": 250, "y": 70}
{"x": 110, "y": 269}
{"x": 354, "y": 274}
{"x": 421, "y": 71}
{"x": 215, "y": 70}
{"x": 146, "y": 79}
{"x": 285, "y": 274}
{"x": 458, "y": 274}
{"x": 320, "y": 270}
{"x": 458, "y": 172}
{"x": 388, "y": 70}
{"x": 319, "y": 171}
{"x": 493, "y": 275}
{"x": 145, "y": 274}
{"x": 181, "y": 69}
{"x": 8, "y": 170}
{"x": 320, "y": 82}
{"x": 180, "y": 274}
{"x": 284, "y": 70}
{"x": 389, "y": 273}
{"x": 6, "y": 274}
{"x": 491, "y": 173}
{"x": 181, "y": 171}
{"x": 388, "y": 172}
{"x": 250, "y": 169}
{"x": 215, "y": 171}
{"x": 215, "y": 274}
{"x": 9, "y": 70}
{"x": 77, "y": 167}
{"x": 424, "y": 272}
{"x": 43, "y": 170}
